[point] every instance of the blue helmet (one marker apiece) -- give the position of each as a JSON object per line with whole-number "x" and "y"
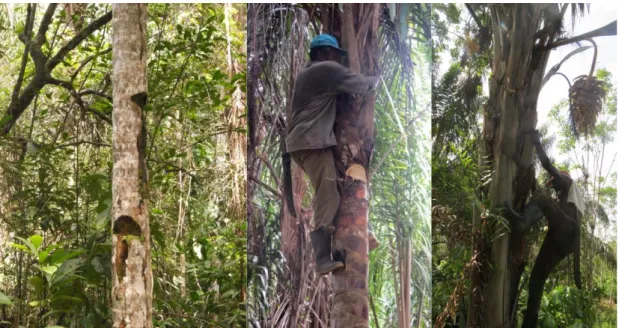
{"x": 327, "y": 40}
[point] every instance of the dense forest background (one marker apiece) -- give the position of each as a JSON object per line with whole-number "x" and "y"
{"x": 56, "y": 162}
{"x": 283, "y": 288}
{"x": 461, "y": 174}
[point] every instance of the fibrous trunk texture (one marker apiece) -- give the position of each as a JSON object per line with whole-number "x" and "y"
{"x": 517, "y": 71}
{"x": 355, "y": 135}
{"x": 132, "y": 282}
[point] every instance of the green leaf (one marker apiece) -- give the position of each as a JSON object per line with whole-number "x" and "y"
{"x": 35, "y": 303}
{"x": 50, "y": 269}
{"x": 36, "y": 241}
{"x": 71, "y": 255}
{"x": 68, "y": 298}
{"x": 5, "y": 120}
{"x": 51, "y": 247}
{"x": 22, "y": 247}
{"x": 57, "y": 255}
{"x": 33, "y": 250}
{"x": 103, "y": 217}
{"x": 37, "y": 283}
{"x": 5, "y": 300}
{"x": 43, "y": 256}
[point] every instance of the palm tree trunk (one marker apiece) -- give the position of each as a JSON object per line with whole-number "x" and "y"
{"x": 132, "y": 281}
{"x": 514, "y": 88}
{"x": 419, "y": 310}
{"x": 355, "y": 134}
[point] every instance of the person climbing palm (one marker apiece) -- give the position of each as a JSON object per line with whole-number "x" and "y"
{"x": 563, "y": 213}
{"x": 310, "y": 138}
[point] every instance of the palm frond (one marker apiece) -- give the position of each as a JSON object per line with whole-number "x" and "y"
{"x": 600, "y": 248}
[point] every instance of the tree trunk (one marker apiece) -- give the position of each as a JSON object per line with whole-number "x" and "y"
{"x": 517, "y": 71}
{"x": 406, "y": 282}
{"x": 355, "y": 135}
{"x": 236, "y": 141}
{"x": 132, "y": 281}
{"x": 294, "y": 244}
{"x": 417, "y": 321}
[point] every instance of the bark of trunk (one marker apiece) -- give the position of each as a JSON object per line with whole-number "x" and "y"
{"x": 132, "y": 282}
{"x": 294, "y": 244}
{"x": 405, "y": 279}
{"x": 417, "y": 321}
{"x": 478, "y": 246}
{"x": 355, "y": 135}
{"x": 517, "y": 71}
{"x": 237, "y": 142}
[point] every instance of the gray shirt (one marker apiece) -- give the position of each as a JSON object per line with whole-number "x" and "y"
{"x": 313, "y": 103}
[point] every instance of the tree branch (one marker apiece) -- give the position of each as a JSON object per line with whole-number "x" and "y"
{"x": 25, "y": 37}
{"x": 86, "y": 61}
{"x": 96, "y": 93}
{"x": 267, "y": 187}
{"x": 608, "y": 30}
{"x": 37, "y": 54}
{"x": 80, "y": 142}
{"x": 265, "y": 160}
{"x": 475, "y": 18}
{"x": 45, "y": 22}
{"x": 43, "y": 69}
{"x": 79, "y": 100}
{"x": 83, "y": 34}
{"x": 177, "y": 168}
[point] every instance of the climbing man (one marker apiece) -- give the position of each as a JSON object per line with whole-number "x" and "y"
{"x": 563, "y": 236}
{"x": 310, "y": 138}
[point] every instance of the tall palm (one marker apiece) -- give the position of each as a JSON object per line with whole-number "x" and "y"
{"x": 282, "y": 279}
{"x": 512, "y": 42}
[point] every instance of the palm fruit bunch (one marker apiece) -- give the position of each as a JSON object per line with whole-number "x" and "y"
{"x": 586, "y": 95}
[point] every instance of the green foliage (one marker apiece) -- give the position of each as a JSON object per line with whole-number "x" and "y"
{"x": 64, "y": 277}
{"x": 5, "y": 300}
{"x": 56, "y": 169}
{"x": 460, "y": 178}
{"x": 566, "y": 306}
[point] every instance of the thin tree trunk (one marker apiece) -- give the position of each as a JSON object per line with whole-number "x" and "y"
{"x": 419, "y": 310}
{"x": 180, "y": 224}
{"x": 237, "y": 142}
{"x": 407, "y": 258}
{"x": 132, "y": 281}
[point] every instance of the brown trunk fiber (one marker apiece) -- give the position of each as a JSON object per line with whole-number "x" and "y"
{"x": 355, "y": 134}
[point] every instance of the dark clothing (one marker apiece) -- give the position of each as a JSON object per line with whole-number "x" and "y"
{"x": 562, "y": 239}
{"x": 313, "y": 103}
{"x": 310, "y": 132}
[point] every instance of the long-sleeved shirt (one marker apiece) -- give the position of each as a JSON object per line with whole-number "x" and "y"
{"x": 314, "y": 100}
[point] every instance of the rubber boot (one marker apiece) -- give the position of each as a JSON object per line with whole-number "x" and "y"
{"x": 321, "y": 242}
